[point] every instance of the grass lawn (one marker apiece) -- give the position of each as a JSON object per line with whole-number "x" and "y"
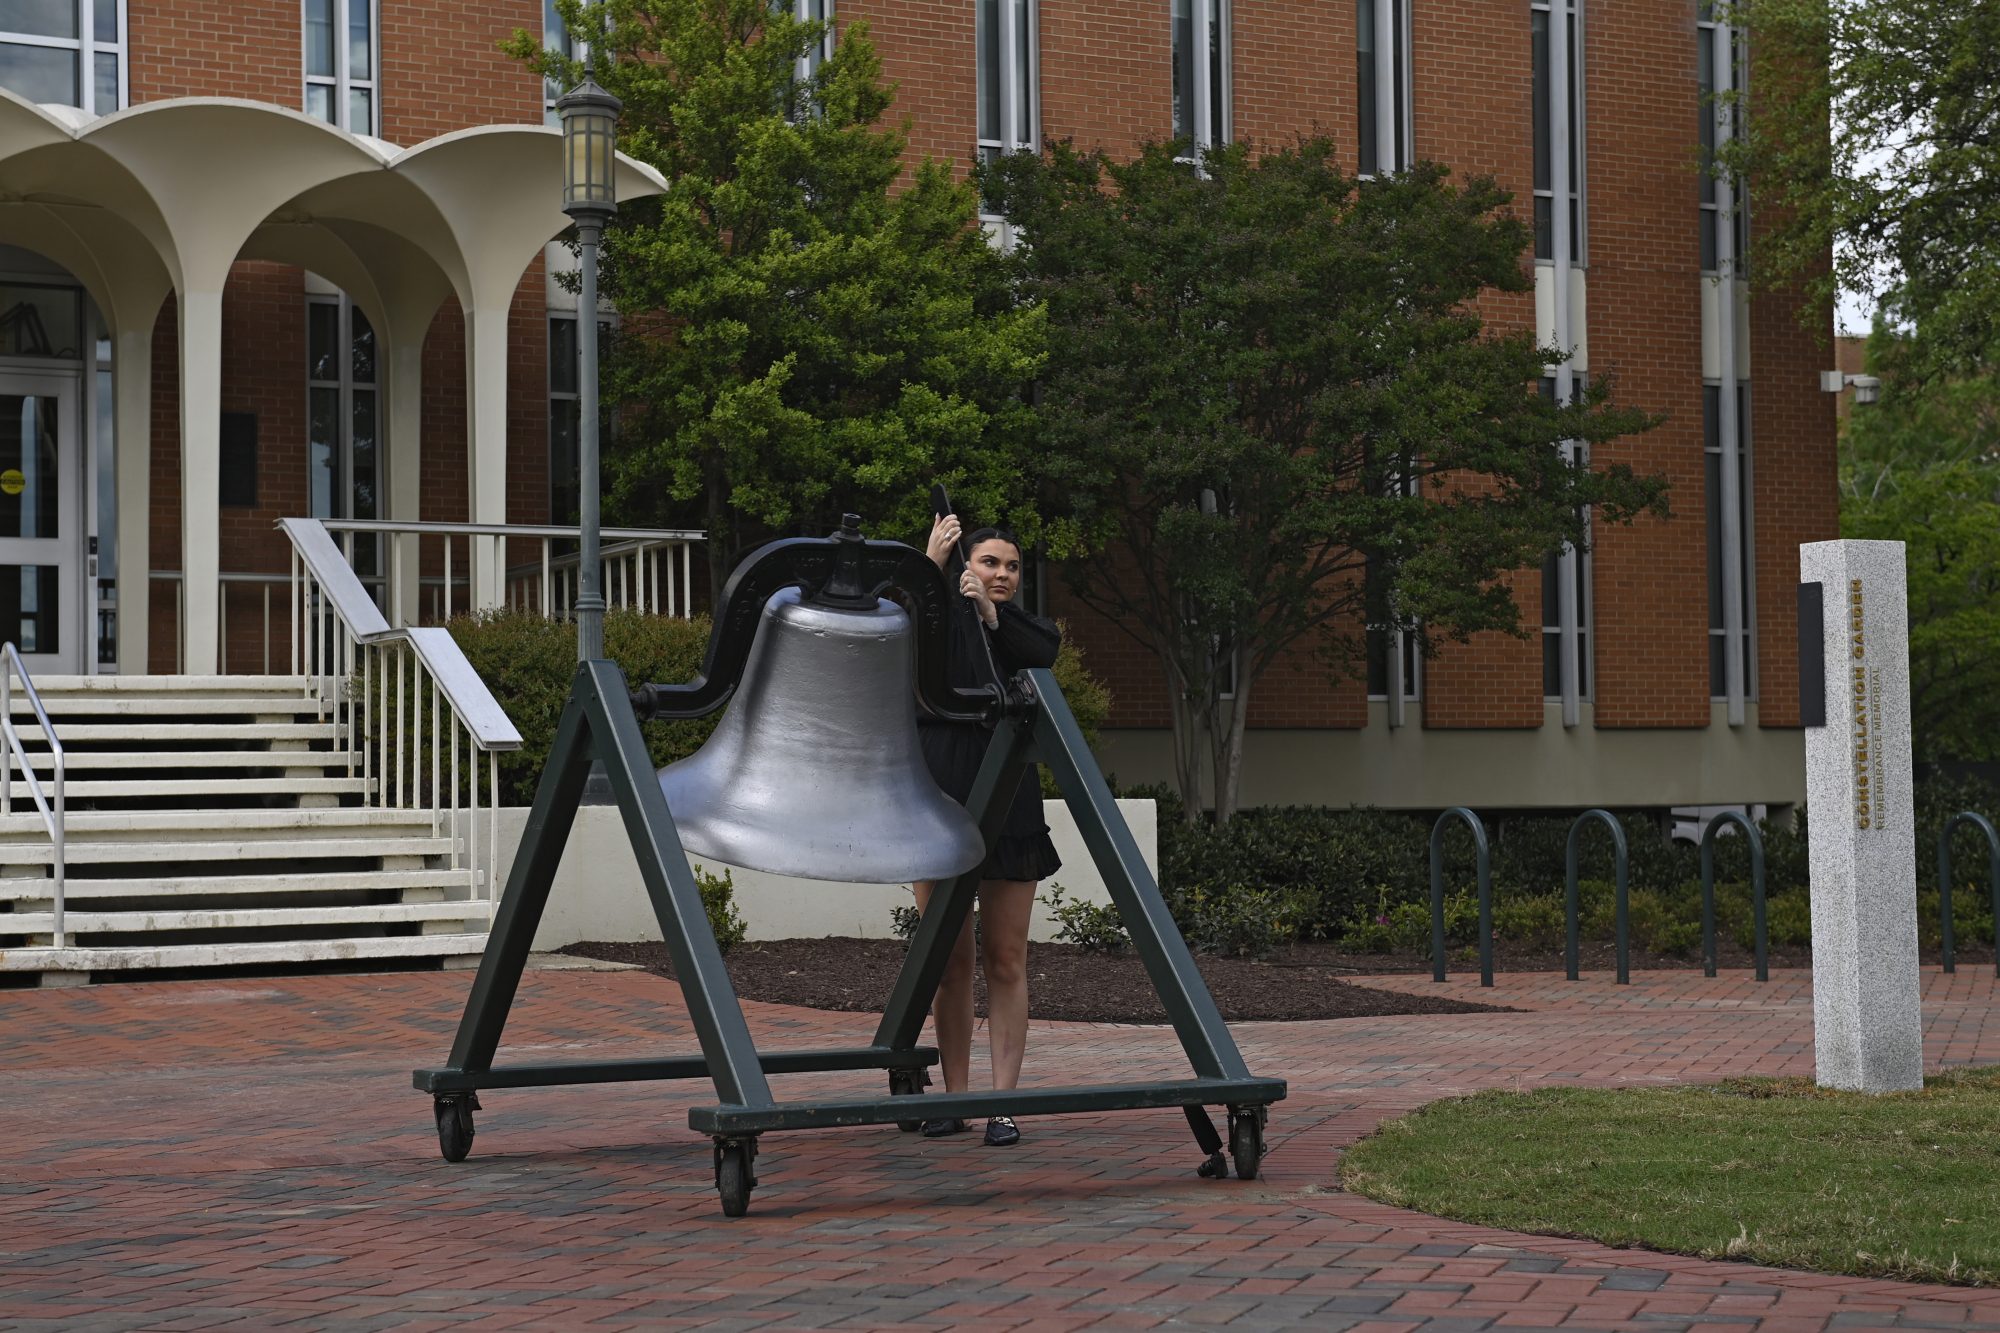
{"x": 1772, "y": 1170}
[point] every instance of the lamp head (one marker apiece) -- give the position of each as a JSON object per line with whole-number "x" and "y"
{"x": 590, "y": 150}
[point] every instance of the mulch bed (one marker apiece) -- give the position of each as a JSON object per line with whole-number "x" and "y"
{"x": 1064, "y": 982}
{"x": 1300, "y": 981}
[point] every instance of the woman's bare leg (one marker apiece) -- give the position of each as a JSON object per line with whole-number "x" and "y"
{"x": 951, "y": 1011}
{"x": 1005, "y": 907}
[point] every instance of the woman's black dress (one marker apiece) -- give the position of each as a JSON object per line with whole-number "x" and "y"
{"x": 954, "y": 750}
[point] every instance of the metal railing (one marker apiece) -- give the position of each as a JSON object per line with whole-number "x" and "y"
{"x": 1985, "y": 827}
{"x": 401, "y": 698}
{"x": 1760, "y": 930}
{"x": 1573, "y": 895}
{"x": 1484, "y": 857}
{"x": 15, "y": 750}
{"x": 646, "y": 569}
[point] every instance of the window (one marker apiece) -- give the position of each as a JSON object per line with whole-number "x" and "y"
{"x": 70, "y": 52}
{"x": 1719, "y": 634}
{"x": 1553, "y": 623}
{"x": 1545, "y": 126}
{"x": 556, "y": 38}
{"x": 1711, "y": 119}
{"x": 1008, "y": 89}
{"x": 343, "y": 420}
{"x": 1201, "y": 87}
{"x": 814, "y": 11}
{"x": 564, "y": 502}
{"x": 340, "y": 63}
{"x": 1393, "y": 648}
{"x": 1382, "y": 77}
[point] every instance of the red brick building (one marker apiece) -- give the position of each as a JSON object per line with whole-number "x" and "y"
{"x": 372, "y": 364}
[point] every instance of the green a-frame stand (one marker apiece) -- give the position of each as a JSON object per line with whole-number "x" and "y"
{"x": 599, "y": 722}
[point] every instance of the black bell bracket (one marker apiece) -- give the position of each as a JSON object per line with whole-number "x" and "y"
{"x": 843, "y": 570}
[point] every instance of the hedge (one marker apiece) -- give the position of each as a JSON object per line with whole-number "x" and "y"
{"x": 529, "y": 662}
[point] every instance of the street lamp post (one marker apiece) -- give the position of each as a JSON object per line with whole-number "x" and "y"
{"x": 590, "y": 196}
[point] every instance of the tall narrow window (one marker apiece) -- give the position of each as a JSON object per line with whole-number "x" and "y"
{"x": 1554, "y": 613}
{"x": 1545, "y": 100}
{"x": 1711, "y": 191}
{"x": 1392, "y": 644}
{"x": 340, "y": 64}
{"x": 1382, "y": 78}
{"x": 1201, "y": 71}
{"x": 1720, "y": 634}
{"x": 556, "y": 38}
{"x": 70, "y": 52}
{"x": 564, "y": 505}
{"x": 1008, "y": 87}
{"x": 343, "y": 420}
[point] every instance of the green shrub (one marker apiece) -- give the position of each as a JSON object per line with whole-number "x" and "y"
{"x": 1532, "y": 922}
{"x": 1238, "y": 919}
{"x": 718, "y": 901}
{"x": 1088, "y": 698}
{"x": 1094, "y": 928}
{"x": 529, "y": 663}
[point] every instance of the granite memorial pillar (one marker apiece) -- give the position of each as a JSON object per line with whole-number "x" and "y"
{"x": 1854, "y": 665}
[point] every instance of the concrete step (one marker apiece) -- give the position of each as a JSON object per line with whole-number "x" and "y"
{"x": 242, "y": 849}
{"x": 173, "y": 823}
{"x": 133, "y": 686}
{"x": 220, "y": 733}
{"x": 236, "y": 954}
{"x": 187, "y": 886}
{"x": 154, "y": 761}
{"x": 100, "y": 788}
{"x": 238, "y": 918}
{"x": 60, "y": 706}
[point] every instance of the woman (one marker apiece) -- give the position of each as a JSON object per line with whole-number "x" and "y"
{"x": 1024, "y": 854}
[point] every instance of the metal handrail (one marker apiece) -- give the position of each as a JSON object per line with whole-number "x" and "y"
{"x": 14, "y": 748}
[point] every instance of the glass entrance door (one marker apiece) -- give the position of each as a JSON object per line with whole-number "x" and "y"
{"x": 41, "y": 521}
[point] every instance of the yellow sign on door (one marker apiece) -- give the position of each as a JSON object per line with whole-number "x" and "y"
{"x": 12, "y": 481}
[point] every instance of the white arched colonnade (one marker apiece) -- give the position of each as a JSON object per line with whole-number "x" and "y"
{"x": 163, "y": 197}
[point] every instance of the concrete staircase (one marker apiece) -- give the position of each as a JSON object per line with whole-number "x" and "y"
{"x": 217, "y": 821}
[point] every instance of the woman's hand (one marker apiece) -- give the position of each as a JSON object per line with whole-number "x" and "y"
{"x": 944, "y": 539}
{"x": 974, "y": 587}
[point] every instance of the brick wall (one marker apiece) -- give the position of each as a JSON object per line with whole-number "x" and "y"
{"x": 1294, "y": 72}
{"x": 1107, "y": 73}
{"x": 1473, "y": 79}
{"x": 216, "y": 48}
{"x": 1650, "y": 580}
{"x": 926, "y": 48}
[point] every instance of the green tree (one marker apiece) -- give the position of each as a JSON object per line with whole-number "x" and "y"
{"x": 1904, "y": 194}
{"x": 1923, "y": 467}
{"x": 1272, "y": 414}
{"x": 810, "y": 327}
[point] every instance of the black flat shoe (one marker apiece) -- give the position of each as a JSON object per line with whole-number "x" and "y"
{"x": 937, "y": 1129}
{"x": 1001, "y": 1131}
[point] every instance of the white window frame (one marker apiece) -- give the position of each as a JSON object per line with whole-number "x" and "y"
{"x": 1560, "y": 132}
{"x": 814, "y": 11}
{"x": 1018, "y": 23}
{"x": 342, "y": 82}
{"x": 88, "y": 49}
{"x": 1210, "y": 125}
{"x": 1405, "y": 661}
{"x": 1394, "y": 79}
{"x": 1713, "y": 444}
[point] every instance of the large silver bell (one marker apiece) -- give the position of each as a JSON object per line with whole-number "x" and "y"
{"x": 815, "y": 770}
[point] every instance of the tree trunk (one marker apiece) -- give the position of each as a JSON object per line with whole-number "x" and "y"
{"x": 1226, "y": 744}
{"x": 1187, "y": 743}
{"x": 715, "y": 503}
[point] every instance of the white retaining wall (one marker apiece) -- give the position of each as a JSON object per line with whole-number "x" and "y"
{"x": 598, "y": 895}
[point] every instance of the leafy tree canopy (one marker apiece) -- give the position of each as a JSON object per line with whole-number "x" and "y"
{"x": 809, "y": 327}
{"x": 1923, "y": 467}
{"x": 1906, "y": 192}
{"x": 1272, "y": 413}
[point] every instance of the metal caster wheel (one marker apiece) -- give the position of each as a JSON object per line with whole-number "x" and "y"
{"x": 454, "y": 1123}
{"x": 1246, "y": 1140}
{"x": 734, "y": 1178}
{"x": 907, "y": 1083}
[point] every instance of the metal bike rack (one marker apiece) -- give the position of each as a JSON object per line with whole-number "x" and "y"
{"x": 1985, "y": 826}
{"x": 1485, "y": 864}
{"x": 1573, "y": 895}
{"x": 1762, "y": 939}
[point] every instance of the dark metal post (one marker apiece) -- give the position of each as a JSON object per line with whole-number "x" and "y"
{"x": 1708, "y": 836}
{"x": 1483, "y": 861}
{"x": 1573, "y": 895}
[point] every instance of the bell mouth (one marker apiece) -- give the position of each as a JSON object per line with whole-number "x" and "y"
{"x": 815, "y": 770}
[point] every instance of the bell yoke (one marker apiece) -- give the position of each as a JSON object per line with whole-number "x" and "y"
{"x": 815, "y": 771}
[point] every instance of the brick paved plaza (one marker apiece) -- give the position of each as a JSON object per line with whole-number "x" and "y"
{"x": 249, "y": 1154}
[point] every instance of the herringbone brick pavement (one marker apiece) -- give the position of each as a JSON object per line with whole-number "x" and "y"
{"x": 249, "y": 1154}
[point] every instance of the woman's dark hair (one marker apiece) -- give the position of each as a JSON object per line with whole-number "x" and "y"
{"x": 995, "y": 534}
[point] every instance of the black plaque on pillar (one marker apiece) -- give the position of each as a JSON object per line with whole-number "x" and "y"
{"x": 1812, "y": 654}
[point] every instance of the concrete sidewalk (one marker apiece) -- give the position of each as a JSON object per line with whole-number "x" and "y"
{"x": 250, "y": 1154}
